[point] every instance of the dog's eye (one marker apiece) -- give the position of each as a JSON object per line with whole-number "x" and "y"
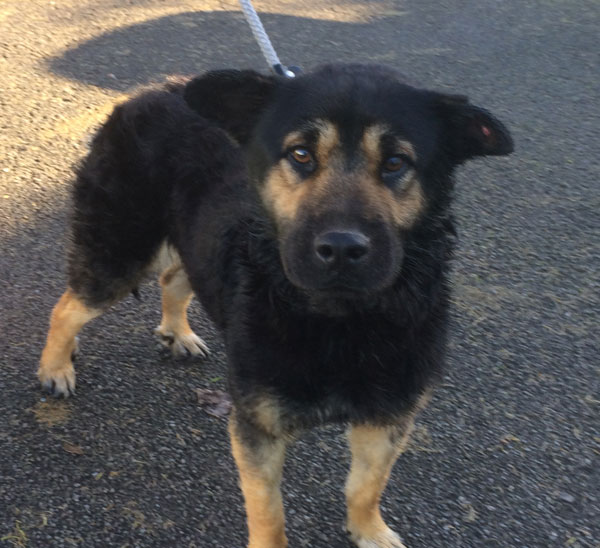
{"x": 394, "y": 168}
{"x": 394, "y": 164}
{"x": 301, "y": 155}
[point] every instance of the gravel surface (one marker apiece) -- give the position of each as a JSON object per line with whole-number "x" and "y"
{"x": 506, "y": 455}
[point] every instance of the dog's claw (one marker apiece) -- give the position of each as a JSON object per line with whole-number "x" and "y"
{"x": 48, "y": 387}
{"x": 183, "y": 344}
{"x": 167, "y": 340}
{"x": 58, "y": 385}
{"x": 75, "y": 351}
{"x": 385, "y": 539}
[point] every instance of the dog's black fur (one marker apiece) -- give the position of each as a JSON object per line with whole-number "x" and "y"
{"x": 159, "y": 171}
{"x": 187, "y": 165}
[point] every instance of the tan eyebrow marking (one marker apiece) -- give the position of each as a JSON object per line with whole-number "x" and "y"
{"x": 295, "y": 138}
{"x": 371, "y": 144}
{"x": 327, "y": 137}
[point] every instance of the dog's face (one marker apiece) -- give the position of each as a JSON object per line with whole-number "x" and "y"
{"x": 348, "y": 161}
{"x": 342, "y": 193}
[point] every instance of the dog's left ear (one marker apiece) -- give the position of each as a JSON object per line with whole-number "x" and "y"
{"x": 234, "y": 99}
{"x": 472, "y": 131}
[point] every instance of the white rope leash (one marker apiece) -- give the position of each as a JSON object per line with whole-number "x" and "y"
{"x": 260, "y": 35}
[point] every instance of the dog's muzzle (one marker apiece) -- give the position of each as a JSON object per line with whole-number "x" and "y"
{"x": 341, "y": 260}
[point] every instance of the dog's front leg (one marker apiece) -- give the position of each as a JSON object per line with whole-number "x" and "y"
{"x": 374, "y": 451}
{"x": 259, "y": 457}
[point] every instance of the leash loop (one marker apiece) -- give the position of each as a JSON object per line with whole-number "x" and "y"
{"x": 262, "y": 38}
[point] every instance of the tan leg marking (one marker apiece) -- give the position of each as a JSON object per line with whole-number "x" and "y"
{"x": 374, "y": 451}
{"x": 56, "y": 372}
{"x": 174, "y": 330}
{"x": 260, "y": 470}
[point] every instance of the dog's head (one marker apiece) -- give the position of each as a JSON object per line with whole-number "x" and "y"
{"x": 348, "y": 160}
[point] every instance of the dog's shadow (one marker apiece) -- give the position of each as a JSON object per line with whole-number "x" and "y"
{"x": 189, "y": 43}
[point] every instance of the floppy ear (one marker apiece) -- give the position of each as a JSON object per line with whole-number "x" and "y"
{"x": 234, "y": 99}
{"x": 472, "y": 131}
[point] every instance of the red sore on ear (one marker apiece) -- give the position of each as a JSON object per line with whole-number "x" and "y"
{"x": 489, "y": 136}
{"x": 482, "y": 133}
{"x": 472, "y": 130}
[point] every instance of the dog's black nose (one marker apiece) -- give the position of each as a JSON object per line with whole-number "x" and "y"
{"x": 343, "y": 247}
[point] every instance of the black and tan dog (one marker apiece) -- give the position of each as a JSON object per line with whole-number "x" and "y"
{"x": 311, "y": 218}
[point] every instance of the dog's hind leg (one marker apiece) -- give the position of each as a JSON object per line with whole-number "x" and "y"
{"x": 174, "y": 330}
{"x": 259, "y": 457}
{"x": 374, "y": 451}
{"x": 56, "y": 372}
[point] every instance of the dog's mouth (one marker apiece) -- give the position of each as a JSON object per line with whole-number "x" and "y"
{"x": 339, "y": 302}
{"x": 338, "y": 293}
{"x": 339, "y": 287}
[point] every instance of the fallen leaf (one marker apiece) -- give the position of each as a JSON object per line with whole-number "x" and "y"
{"x": 508, "y": 438}
{"x": 471, "y": 515}
{"x": 215, "y": 402}
{"x": 72, "y": 448}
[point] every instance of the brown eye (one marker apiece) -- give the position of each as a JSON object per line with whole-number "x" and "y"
{"x": 301, "y": 155}
{"x": 394, "y": 164}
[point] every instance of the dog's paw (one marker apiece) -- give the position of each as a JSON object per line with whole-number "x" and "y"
{"x": 58, "y": 381}
{"x": 182, "y": 344}
{"x": 384, "y": 539}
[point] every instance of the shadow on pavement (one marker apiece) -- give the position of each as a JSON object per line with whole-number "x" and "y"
{"x": 189, "y": 43}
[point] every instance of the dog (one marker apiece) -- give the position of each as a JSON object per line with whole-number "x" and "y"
{"x": 312, "y": 219}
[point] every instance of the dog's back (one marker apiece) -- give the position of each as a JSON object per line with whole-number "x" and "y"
{"x": 122, "y": 206}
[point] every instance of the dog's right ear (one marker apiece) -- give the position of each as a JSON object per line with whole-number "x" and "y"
{"x": 472, "y": 131}
{"x": 234, "y": 99}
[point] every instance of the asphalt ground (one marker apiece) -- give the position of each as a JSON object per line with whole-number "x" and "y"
{"x": 507, "y": 455}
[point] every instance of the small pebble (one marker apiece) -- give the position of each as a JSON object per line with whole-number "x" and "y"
{"x": 567, "y": 497}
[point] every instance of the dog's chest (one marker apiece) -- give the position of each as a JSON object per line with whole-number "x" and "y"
{"x": 321, "y": 371}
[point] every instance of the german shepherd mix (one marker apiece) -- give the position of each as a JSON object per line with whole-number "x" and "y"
{"x": 311, "y": 218}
